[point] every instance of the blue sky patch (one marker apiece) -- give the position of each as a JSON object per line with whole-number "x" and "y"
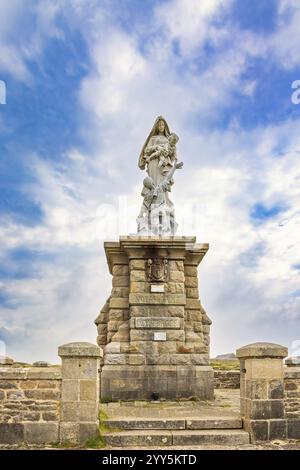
{"x": 261, "y": 213}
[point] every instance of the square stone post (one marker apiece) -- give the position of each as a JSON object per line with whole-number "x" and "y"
{"x": 262, "y": 390}
{"x": 292, "y": 396}
{"x": 79, "y": 409}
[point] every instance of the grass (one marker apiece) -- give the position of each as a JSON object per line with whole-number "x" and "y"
{"x": 63, "y": 445}
{"x": 107, "y": 399}
{"x": 97, "y": 442}
{"x": 225, "y": 365}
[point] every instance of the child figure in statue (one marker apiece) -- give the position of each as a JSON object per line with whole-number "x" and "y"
{"x": 157, "y": 212}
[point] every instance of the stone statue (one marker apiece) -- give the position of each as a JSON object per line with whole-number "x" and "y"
{"x": 159, "y": 157}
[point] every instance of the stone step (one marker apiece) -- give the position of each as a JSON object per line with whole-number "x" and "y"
{"x": 211, "y": 436}
{"x": 169, "y": 438}
{"x": 175, "y": 424}
{"x": 144, "y": 423}
{"x": 214, "y": 423}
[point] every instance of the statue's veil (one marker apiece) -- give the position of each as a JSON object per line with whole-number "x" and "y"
{"x": 154, "y": 131}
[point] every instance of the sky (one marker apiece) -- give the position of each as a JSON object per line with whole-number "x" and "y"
{"x": 81, "y": 83}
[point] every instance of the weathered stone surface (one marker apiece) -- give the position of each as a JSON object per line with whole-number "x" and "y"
{"x": 79, "y": 350}
{"x": 8, "y": 385}
{"x": 144, "y": 424}
{"x": 88, "y": 411}
{"x": 157, "y": 323}
{"x": 192, "y": 292}
{"x": 114, "y": 359}
{"x": 135, "y": 359}
{"x": 121, "y": 292}
{"x": 88, "y": 431}
{"x": 198, "y": 327}
{"x": 113, "y": 348}
{"x": 192, "y": 304}
{"x": 137, "y": 276}
{"x": 180, "y": 359}
{"x": 83, "y": 368}
{"x": 41, "y": 433}
{"x": 139, "y": 287}
{"x": 45, "y": 383}
{"x": 120, "y": 281}
{"x": 137, "y": 264}
{"x": 176, "y": 265}
{"x": 88, "y": 390}
{"x": 214, "y": 423}
{"x": 31, "y": 416}
{"x": 44, "y": 373}
{"x": 191, "y": 281}
{"x": 69, "y": 432}
{"x": 120, "y": 270}
{"x": 258, "y": 430}
{"x": 212, "y": 436}
{"x": 200, "y": 359}
{"x": 176, "y": 276}
{"x": 140, "y": 311}
{"x": 176, "y": 311}
{"x": 293, "y": 428}
{"x": 69, "y": 411}
{"x": 139, "y": 438}
{"x": 276, "y": 389}
{"x": 114, "y": 325}
{"x": 16, "y": 394}
{"x": 278, "y": 429}
{"x": 118, "y": 303}
{"x": 42, "y": 394}
{"x": 11, "y": 433}
{"x": 193, "y": 315}
{"x": 190, "y": 271}
{"x": 41, "y": 364}
{"x": 257, "y": 389}
{"x": 175, "y": 288}
{"x": 116, "y": 314}
{"x": 49, "y": 416}
{"x": 153, "y": 298}
{"x": 262, "y": 350}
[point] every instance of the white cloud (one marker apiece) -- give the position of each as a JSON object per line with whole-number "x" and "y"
{"x": 191, "y": 22}
{"x": 247, "y": 277}
{"x": 18, "y": 44}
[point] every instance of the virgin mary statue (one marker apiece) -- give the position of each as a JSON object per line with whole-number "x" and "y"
{"x": 158, "y": 138}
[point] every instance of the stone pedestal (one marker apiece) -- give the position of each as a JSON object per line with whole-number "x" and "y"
{"x": 262, "y": 390}
{"x": 79, "y": 408}
{"x": 153, "y": 329}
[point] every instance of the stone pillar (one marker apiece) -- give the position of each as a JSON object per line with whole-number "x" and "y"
{"x": 153, "y": 328}
{"x": 292, "y": 396}
{"x": 262, "y": 390}
{"x": 80, "y": 392}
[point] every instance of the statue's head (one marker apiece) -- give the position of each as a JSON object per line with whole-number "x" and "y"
{"x": 161, "y": 126}
{"x": 173, "y": 139}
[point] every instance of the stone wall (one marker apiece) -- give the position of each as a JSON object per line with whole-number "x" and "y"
{"x": 43, "y": 405}
{"x": 292, "y": 399}
{"x": 226, "y": 379}
{"x": 29, "y": 404}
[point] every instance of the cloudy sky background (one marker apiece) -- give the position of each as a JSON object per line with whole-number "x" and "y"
{"x": 85, "y": 80}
